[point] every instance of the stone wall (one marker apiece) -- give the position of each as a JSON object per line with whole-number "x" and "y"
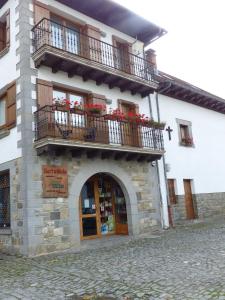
{"x": 56, "y": 223}
{"x": 206, "y": 205}
{"x": 11, "y": 240}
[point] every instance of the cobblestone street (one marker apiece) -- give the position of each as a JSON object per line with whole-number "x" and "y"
{"x": 182, "y": 263}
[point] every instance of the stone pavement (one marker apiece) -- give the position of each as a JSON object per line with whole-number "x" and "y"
{"x": 183, "y": 263}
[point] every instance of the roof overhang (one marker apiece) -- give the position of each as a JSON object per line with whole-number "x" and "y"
{"x": 181, "y": 90}
{"x": 2, "y": 2}
{"x": 118, "y": 17}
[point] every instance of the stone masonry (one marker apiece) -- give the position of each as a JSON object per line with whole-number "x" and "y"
{"x": 53, "y": 218}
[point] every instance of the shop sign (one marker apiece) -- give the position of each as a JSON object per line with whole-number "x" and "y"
{"x": 55, "y": 181}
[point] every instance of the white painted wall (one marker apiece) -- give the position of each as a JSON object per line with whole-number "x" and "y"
{"x": 73, "y": 15}
{"x": 204, "y": 163}
{"x": 9, "y": 60}
{"x": 8, "y": 73}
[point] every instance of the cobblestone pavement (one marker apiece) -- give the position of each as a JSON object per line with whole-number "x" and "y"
{"x": 182, "y": 263}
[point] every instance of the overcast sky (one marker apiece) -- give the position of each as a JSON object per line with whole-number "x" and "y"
{"x": 194, "y": 47}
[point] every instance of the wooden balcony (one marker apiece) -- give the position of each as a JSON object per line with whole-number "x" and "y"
{"x": 65, "y": 49}
{"x": 58, "y": 130}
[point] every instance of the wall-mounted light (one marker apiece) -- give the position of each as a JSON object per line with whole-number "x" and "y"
{"x": 153, "y": 163}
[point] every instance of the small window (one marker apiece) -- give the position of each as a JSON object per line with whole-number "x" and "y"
{"x": 4, "y": 32}
{"x": 4, "y": 200}
{"x": 171, "y": 190}
{"x": 185, "y": 133}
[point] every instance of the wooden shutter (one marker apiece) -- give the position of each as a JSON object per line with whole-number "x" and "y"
{"x": 44, "y": 93}
{"x": 7, "y": 29}
{"x": 11, "y": 106}
{"x": 2, "y": 36}
{"x": 91, "y": 48}
{"x": 40, "y": 12}
{"x": 97, "y": 99}
{"x": 99, "y": 124}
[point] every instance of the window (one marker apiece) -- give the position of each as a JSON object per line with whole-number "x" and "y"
{"x": 171, "y": 191}
{"x": 4, "y": 32}
{"x": 4, "y": 200}
{"x": 185, "y": 133}
{"x": 63, "y": 117}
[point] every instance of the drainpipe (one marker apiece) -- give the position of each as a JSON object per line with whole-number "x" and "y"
{"x": 165, "y": 211}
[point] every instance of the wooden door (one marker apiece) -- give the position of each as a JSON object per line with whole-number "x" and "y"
{"x": 129, "y": 130}
{"x": 190, "y": 212}
{"x": 120, "y": 211}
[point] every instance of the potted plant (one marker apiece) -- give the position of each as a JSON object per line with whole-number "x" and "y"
{"x": 77, "y": 108}
{"x": 188, "y": 141}
{"x": 115, "y": 115}
{"x": 159, "y": 125}
{"x": 61, "y": 104}
{"x": 95, "y": 109}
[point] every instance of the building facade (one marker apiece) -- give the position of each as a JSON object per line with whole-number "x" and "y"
{"x": 76, "y": 161}
{"x": 81, "y": 156}
{"x": 194, "y": 145}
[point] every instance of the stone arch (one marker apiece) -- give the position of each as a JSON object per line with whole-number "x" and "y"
{"x": 89, "y": 168}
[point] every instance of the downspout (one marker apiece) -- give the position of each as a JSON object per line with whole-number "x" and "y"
{"x": 164, "y": 165}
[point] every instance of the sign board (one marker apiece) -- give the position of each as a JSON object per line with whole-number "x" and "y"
{"x": 54, "y": 181}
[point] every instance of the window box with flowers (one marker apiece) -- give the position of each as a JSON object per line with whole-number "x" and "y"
{"x": 61, "y": 104}
{"x": 139, "y": 119}
{"x": 187, "y": 141}
{"x": 96, "y": 110}
{"x": 77, "y": 109}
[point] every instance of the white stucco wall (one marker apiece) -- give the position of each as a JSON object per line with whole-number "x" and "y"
{"x": 9, "y": 60}
{"x": 8, "y": 145}
{"x": 73, "y": 15}
{"x": 204, "y": 163}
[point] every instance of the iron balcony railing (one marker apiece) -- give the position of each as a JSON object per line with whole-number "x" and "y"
{"x": 52, "y": 121}
{"x": 50, "y": 33}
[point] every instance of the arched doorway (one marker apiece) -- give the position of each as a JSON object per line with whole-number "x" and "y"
{"x": 103, "y": 208}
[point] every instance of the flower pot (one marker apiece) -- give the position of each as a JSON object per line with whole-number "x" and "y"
{"x": 77, "y": 111}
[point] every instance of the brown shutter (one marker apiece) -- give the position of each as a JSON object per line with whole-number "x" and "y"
{"x": 11, "y": 106}
{"x": 8, "y": 28}
{"x": 40, "y": 12}
{"x": 44, "y": 93}
{"x": 99, "y": 123}
{"x": 2, "y": 36}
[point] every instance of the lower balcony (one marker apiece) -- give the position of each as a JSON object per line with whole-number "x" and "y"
{"x": 82, "y": 133}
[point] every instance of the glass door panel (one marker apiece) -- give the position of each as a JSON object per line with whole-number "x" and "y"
{"x": 88, "y": 210}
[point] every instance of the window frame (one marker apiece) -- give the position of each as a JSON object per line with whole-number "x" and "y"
{"x": 188, "y": 125}
{"x": 6, "y": 28}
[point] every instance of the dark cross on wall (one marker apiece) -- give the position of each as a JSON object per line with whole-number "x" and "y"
{"x": 169, "y": 130}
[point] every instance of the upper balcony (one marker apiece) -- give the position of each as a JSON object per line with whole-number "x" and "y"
{"x": 63, "y": 48}
{"x": 58, "y": 130}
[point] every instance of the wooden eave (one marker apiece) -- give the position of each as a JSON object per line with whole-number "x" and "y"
{"x": 191, "y": 94}
{"x": 119, "y": 17}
